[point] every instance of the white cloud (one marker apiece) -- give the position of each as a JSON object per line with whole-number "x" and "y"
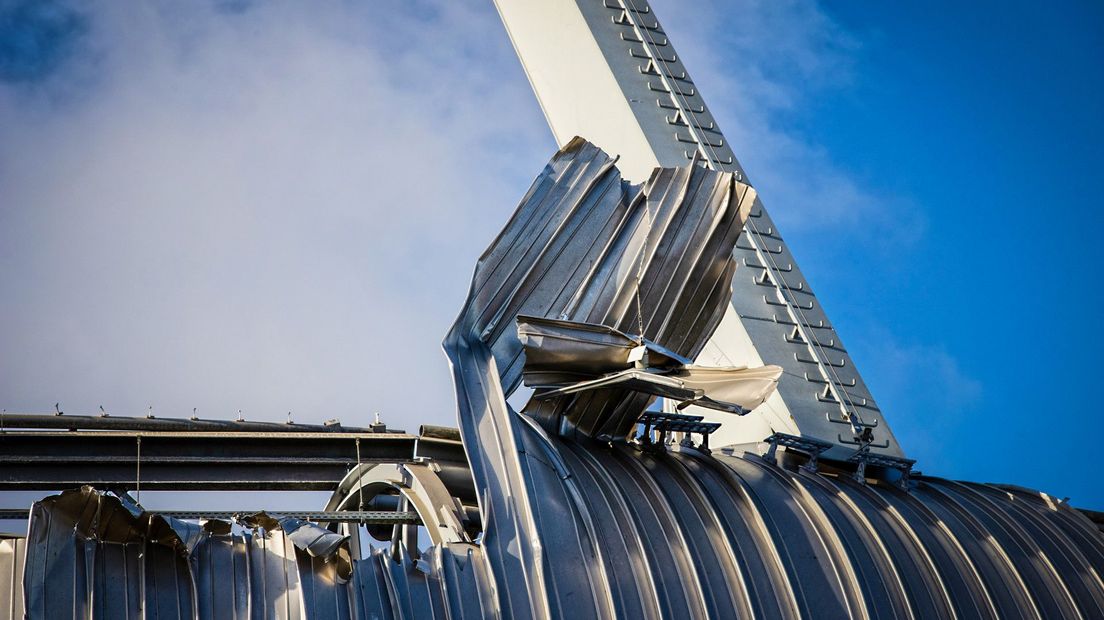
{"x": 279, "y": 207}
{"x": 272, "y": 210}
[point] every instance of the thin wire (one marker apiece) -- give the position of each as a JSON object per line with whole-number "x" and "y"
{"x": 360, "y": 479}
{"x": 828, "y": 369}
{"x": 138, "y": 472}
{"x": 640, "y": 268}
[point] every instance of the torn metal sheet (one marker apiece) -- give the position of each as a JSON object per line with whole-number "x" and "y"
{"x": 89, "y": 555}
{"x": 91, "y": 558}
{"x": 583, "y": 246}
{"x": 674, "y": 534}
{"x": 578, "y": 521}
{"x": 13, "y": 551}
{"x": 316, "y": 541}
{"x": 555, "y": 348}
{"x": 563, "y": 358}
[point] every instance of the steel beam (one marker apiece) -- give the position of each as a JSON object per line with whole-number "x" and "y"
{"x": 191, "y": 460}
{"x": 367, "y": 517}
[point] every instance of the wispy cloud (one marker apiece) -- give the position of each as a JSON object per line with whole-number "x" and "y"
{"x": 757, "y": 61}
{"x": 923, "y": 387}
{"x": 272, "y": 208}
{"x": 277, "y": 206}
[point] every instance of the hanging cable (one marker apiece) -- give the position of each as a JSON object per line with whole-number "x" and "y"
{"x": 360, "y": 481}
{"x": 138, "y": 472}
{"x": 640, "y": 269}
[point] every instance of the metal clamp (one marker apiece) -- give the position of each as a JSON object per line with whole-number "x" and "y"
{"x": 809, "y": 445}
{"x": 664, "y": 423}
{"x": 863, "y": 457}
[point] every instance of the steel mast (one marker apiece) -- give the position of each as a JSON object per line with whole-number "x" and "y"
{"x": 607, "y": 71}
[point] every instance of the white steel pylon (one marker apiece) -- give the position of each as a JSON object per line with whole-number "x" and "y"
{"x": 606, "y": 70}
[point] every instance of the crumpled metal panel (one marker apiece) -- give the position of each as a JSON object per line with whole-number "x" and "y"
{"x": 585, "y": 246}
{"x": 565, "y": 358}
{"x": 91, "y": 556}
{"x": 13, "y": 551}
{"x": 579, "y": 525}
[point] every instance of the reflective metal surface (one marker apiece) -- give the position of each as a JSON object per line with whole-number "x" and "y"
{"x": 580, "y": 523}
{"x": 574, "y": 508}
{"x": 565, "y": 358}
{"x": 13, "y": 551}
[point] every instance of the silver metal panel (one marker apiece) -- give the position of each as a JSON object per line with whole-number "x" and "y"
{"x": 585, "y": 246}
{"x": 13, "y": 551}
{"x": 581, "y": 522}
{"x": 678, "y": 533}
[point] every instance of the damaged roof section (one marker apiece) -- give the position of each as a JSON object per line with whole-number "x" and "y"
{"x": 116, "y": 561}
{"x": 564, "y": 358}
{"x": 652, "y": 260}
{"x": 614, "y": 287}
{"x": 93, "y": 555}
{"x": 608, "y": 258}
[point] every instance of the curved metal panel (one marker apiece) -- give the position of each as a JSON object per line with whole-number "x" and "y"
{"x": 579, "y": 520}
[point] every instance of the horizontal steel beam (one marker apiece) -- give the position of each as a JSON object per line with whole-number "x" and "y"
{"x": 51, "y": 460}
{"x": 10, "y": 421}
{"x": 368, "y": 517}
{"x": 55, "y": 452}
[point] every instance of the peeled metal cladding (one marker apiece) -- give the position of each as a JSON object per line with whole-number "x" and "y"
{"x": 94, "y": 555}
{"x": 580, "y": 522}
{"x": 597, "y": 294}
{"x": 583, "y": 246}
{"x": 564, "y": 358}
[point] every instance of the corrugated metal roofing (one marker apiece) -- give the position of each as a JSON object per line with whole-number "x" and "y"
{"x": 578, "y": 521}
{"x": 92, "y": 557}
{"x": 672, "y": 534}
{"x": 13, "y": 550}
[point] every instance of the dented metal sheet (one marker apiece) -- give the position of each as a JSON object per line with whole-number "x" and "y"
{"x": 565, "y": 358}
{"x": 677, "y": 533}
{"x": 13, "y": 550}
{"x": 580, "y": 522}
{"x": 583, "y": 246}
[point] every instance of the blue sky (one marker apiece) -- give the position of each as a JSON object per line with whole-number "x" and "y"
{"x": 277, "y": 206}
{"x": 987, "y": 119}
